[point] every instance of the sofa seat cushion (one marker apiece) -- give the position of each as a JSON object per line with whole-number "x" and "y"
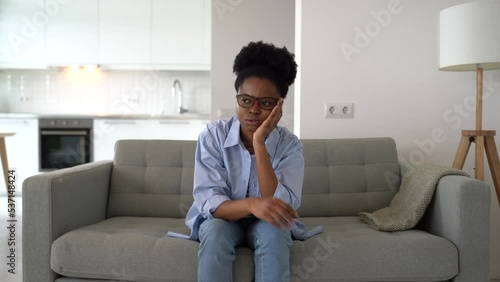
{"x": 349, "y": 250}
{"x": 134, "y": 249}
{"x": 137, "y": 249}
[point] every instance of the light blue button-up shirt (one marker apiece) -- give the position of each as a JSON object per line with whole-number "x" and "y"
{"x": 223, "y": 171}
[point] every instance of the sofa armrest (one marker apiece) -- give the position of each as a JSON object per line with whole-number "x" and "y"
{"x": 55, "y": 203}
{"x": 460, "y": 212}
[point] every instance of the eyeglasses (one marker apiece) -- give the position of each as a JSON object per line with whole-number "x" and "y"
{"x": 247, "y": 101}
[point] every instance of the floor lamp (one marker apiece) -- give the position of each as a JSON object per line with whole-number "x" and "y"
{"x": 469, "y": 40}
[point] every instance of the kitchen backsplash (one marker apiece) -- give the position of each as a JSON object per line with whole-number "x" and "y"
{"x": 102, "y": 92}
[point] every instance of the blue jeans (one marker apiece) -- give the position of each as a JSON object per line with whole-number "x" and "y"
{"x": 219, "y": 238}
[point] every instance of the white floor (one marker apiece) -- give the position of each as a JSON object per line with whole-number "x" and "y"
{"x": 15, "y": 236}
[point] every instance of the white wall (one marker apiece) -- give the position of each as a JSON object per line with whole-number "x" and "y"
{"x": 393, "y": 81}
{"x": 234, "y": 24}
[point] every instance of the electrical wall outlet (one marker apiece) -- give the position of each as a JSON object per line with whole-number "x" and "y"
{"x": 331, "y": 109}
{"x": 347, "y": 110}
{"x": 339, "y": 110}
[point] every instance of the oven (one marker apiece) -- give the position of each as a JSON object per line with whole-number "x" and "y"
{"x": 64, "y": 143}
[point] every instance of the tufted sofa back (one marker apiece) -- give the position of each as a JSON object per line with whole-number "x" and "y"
{"x": 152, "y": 178}
{"x": 341, "y": 177}
{"x": 345, "y": 176}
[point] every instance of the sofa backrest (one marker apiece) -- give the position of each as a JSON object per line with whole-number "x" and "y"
{"x": 152, "y": 178}
{"x": 341, "y": 177}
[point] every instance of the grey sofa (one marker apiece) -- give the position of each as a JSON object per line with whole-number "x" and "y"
{"x": 109, "y": 219}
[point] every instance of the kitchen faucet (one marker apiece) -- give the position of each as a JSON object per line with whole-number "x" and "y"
{"x": 177, "y": 91}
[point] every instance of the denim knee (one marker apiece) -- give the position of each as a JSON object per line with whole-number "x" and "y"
{"x": 218, "y": 239}
{"x": 218, "y": 233}
{"x": 263, "y": 234}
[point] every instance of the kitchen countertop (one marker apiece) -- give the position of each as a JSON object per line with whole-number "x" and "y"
{"x": 110, "y": 116}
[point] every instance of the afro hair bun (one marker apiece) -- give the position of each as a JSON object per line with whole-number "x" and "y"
{"x": 260, "y": 55}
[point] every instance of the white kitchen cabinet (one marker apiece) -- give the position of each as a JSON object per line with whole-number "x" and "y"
{"x": 108, "y": 131}
{"x": 22, "y": 148}
{"x": 117, "y": 34}
{"x": 22, "y": 28}
{"x": 124, "y": 32}
{"x": 181, "y": 34}
{"x": 71, "y": 36}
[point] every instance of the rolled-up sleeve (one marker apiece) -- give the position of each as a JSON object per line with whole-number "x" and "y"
{"x": 289, "y": 169}
{"x": 210, "y": 176}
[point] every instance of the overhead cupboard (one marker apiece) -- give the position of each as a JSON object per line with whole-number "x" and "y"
{"x": 115, "y": 34}
{"x": 22, "y": 34}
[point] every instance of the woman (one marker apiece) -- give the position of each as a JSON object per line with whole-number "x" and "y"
{"x": 249, "y": 173}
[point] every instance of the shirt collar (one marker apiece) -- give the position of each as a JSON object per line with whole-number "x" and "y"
{"x": 233, "y": 137}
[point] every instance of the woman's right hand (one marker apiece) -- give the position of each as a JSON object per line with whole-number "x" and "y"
{"x": 273, "y": 211}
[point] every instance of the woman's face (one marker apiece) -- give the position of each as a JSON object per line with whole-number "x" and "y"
{"x": 252, "y": 117}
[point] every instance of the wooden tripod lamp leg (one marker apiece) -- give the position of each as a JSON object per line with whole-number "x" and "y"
{"x": 479, "y": 171}
{"x": 463, "y": 149}
{"x": 492, "y": 155}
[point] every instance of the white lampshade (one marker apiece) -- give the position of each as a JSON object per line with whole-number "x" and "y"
{"x": 469, "y": 34}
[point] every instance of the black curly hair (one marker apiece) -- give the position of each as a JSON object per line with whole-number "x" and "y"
{"x": 264, "y": 60}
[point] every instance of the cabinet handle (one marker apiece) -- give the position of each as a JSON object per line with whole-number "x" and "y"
{"x": 65, "y": 132}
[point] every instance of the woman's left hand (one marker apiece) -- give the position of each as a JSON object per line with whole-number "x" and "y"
{"x": 269, "y": 124}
